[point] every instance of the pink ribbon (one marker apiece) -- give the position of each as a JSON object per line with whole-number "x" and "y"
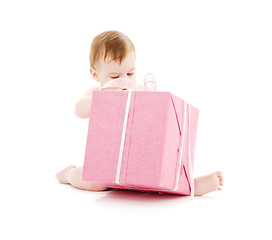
{"x": 150, "y": 80}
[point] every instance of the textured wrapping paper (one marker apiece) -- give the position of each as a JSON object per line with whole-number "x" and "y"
{"x": 141, "y": 140}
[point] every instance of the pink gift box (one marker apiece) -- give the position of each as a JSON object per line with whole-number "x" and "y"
{"x": 141, "y": 140}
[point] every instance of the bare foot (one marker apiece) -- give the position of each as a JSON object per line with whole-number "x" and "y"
{"x": 208, "y": 183}
{"x": 73, "y": 175}
{"x": 62, "y": 176}
{"x": 75, "y": 179}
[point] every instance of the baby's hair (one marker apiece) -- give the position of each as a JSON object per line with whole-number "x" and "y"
{"x": 110, "y": 43}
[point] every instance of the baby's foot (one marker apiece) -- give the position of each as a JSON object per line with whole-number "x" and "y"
{"x": 63, "y": 175}
{"x": 208, "y": 183}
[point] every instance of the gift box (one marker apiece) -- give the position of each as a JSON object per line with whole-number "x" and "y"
{"x": 141, "y": 140}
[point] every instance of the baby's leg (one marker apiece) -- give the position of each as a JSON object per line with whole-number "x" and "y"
{"x": 208, "y": 183}
{"x": 73, "y": 175}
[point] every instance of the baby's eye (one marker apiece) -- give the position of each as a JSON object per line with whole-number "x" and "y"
{"x": 129, "y": 74}
{"x": 115, "y": 77}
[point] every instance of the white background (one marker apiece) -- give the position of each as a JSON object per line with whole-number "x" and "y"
{"x": 215, "y": 54}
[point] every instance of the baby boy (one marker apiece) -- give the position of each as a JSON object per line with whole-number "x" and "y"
{"x": 112, "y": 56}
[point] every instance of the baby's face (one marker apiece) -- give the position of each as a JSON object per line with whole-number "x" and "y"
{"x": 108, "y": 70}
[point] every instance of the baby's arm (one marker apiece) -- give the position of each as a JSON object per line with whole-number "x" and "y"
{"x": 83, "y": 105}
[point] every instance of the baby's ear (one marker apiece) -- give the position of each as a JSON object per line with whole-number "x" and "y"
{"x": 93, "y": 73}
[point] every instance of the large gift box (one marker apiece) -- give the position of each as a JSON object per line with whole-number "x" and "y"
{"x": 141, "y": 140}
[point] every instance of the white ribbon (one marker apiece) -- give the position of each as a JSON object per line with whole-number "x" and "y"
{"x": 117, "y": 179}
{"x": 181, "y": 145}
{"x": 189, "y": 156}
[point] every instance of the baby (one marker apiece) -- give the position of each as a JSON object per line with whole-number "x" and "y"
{"x": 112, "y": 56}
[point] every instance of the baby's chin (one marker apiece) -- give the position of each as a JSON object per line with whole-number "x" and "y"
{"x": 134, "y": 87}
{"x": 112, "y": 88}
{"x": 138, "y": 88}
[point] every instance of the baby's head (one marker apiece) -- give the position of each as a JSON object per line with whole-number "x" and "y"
{"x": 112, "y": 56}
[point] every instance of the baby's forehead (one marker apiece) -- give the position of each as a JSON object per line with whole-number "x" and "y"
{"x": 116, "y": 67}
{"x": 110, "y": 64}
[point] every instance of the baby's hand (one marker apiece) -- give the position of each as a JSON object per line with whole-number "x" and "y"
{"x": 120, "y": 84}
{"x": 83, "y": 105}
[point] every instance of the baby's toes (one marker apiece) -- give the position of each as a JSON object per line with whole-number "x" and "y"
{"x": 221, "y": 181}
{"x": 219, "y": 174}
